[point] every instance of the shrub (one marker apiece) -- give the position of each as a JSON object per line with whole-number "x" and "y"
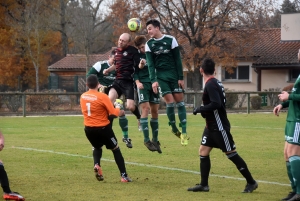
{"x": 273, "y": 97}
{"x": 12, "y": 102}
{"x": 231, "y": 99}
{"x": 255, "y": 102}
{"x": 241, "y": 100}
{"x": 43, "y": 102}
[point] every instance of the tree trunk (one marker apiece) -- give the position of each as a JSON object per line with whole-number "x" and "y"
{"x": 64, "y": 37}
{"x": 197, "y": 86}
{"x": 37, "y": 77}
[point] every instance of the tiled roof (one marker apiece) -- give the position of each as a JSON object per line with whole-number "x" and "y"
{"x": 265, "y": 46}
{"x": 272, "y": 51}
{"x": 78, "y": 61}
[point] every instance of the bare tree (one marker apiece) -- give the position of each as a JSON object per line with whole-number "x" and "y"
{"x": 38, "y": 37}
{"x": 203, "y": 28}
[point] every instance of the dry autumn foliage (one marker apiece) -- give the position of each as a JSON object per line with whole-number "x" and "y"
{"x": 203, "y": 28}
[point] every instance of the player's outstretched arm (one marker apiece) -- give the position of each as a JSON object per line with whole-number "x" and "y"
{"x": 108, "y": 70}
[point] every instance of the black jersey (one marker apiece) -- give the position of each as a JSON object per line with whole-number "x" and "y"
{"x": 126, "y": 61}
{"x": 213, "y": 108}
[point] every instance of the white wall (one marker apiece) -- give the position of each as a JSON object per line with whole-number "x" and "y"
{"x": 239, "y": 85}
{"x": 274, "y": 79}
{"x": 269, "y": 79}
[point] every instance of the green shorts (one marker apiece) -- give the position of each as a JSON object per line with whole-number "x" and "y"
{"x": 292, "y": 131}
{"x": 147, "y": 94}
{"x": 169, "y": 87}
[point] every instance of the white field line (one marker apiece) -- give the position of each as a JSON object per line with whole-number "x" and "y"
{"x": 199, "y": 125}
{"x": 146, "y": 165}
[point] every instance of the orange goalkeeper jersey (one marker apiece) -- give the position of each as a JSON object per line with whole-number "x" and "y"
{"x": 96, "y": 107}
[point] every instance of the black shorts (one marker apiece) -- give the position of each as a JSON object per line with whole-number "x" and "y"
{"x": 218, "y": 139}
{"x": 99, "y": 136}
{"x": 125, "y": 87}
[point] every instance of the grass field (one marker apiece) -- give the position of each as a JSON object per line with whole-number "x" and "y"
{"x": 49, "y": 158}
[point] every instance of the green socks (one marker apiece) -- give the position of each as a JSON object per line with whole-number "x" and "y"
{"x": 145, "y": 128}
{"x": 295, "y": 167}
{"x": 171, "y": 116}
{"x": 182, "y": 115}
{"x": 123, "y": 122}
{"x": 154, "y": 128}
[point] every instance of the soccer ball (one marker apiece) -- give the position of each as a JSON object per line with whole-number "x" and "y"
{"x": 134, "y": 24}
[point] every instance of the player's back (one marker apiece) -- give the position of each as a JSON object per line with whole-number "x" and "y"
{"x": 94, "y": 108}
{"x": 214, "y": 97}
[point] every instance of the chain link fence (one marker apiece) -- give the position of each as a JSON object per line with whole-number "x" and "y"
{"x": 68, "y": 83}
{"x": 59, "y": 102}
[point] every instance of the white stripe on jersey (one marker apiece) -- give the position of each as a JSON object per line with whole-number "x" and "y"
{"x": 98, "y": 65}
{"x": 113, "y": 140}
{"x": 220, "y": 126}
{"x": 224, "y": 134}
{"x": 226, "y": 141}
{"x": 296, "y": 132}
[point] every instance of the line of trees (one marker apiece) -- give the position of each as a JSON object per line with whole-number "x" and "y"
{"x": 36, "y": 33}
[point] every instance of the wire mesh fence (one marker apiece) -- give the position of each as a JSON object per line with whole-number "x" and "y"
{"x": 68, "y": 103}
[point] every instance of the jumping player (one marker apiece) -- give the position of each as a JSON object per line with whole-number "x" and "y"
{"x": 148, "y": 100}
{"x": 126, "y": 61}
{"x": 165, "y": 69}
{"x": 99, "y": 67}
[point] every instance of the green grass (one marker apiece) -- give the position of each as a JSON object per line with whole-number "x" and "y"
{"x": 49, "y": 158}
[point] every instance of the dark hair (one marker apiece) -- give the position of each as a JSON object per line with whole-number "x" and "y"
{"x": 154, "y": 22}
{"x": 113, "y": 52}
{"x": 92, "y": 81}
{"x": 208, "y": 66}
{"x": 139, "y": 40}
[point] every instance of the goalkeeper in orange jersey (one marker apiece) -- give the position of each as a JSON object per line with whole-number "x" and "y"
{"x": 96, "y": 108}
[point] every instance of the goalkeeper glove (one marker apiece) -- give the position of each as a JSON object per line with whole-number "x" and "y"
{"x": 102, "y": 89}
{"x": 119, "y": 104}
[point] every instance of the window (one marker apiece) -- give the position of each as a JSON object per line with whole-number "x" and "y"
{"x": 240, "y": 73}
{"x": 294, "y": 73}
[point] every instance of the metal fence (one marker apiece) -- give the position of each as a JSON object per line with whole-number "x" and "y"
{"x": 36, "y": 104}
{"x": 68, "y": 83}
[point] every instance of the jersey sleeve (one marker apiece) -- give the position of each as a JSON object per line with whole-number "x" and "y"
{"x": 294, "y": 97}
{"x": 150, "y": 63}
{"x": 92, "y": 71}
{"x": 177, "y": 58}
{"x": 214, "y": 96}
{"x": 285, "y": 104}
{"x": 137, "y": 59}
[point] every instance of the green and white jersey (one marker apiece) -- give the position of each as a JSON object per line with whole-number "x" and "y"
{"x": 142, "y": 74}
{"x": 293, "y": 103}
{"x": 98, "y": 69}
{"x": 163, "y": 56}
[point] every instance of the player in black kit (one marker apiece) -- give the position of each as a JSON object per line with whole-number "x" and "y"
{"x": 127, "y": 59}
{"x": 217, "y": 130}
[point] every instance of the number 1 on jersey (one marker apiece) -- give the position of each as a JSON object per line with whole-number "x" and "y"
{"x": 88, "y": 106}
